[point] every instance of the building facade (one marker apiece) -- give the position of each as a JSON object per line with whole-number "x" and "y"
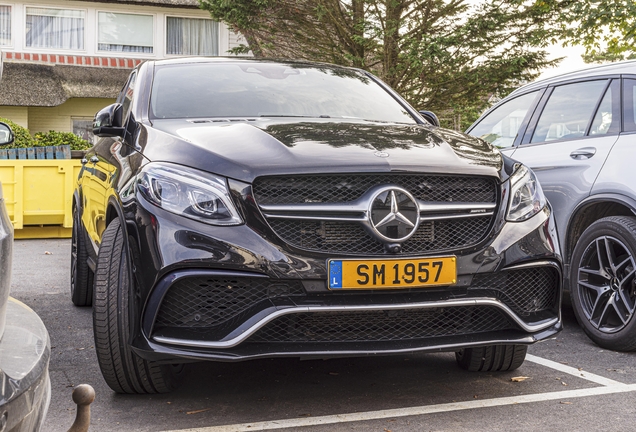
{"x": 65, "y": 60}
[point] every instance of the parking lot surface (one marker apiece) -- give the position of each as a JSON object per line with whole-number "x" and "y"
{"x": 566, "y": 383}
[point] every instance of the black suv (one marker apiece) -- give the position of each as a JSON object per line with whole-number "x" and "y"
{"x": 237, "y": 209}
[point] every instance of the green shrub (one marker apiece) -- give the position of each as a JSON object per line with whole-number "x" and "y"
{"x": 53, "y": 138}
{"x": 23, "y": 138}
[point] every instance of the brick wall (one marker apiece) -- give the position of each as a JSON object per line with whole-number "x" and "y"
{"x": 110, "y": 62}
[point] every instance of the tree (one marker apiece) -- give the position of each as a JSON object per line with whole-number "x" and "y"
{"x": 447, "y": 56}
{"x": 606, "y": 28}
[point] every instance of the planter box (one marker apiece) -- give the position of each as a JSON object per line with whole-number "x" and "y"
{"x": 39, "y": 195}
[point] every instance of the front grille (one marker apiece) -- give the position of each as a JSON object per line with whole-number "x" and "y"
{"x": 351, "y": 238}
{"x": 389, "y": 325}
{"x": 349, "y": 187}
{"x": 525, "y": 291}
{"x": 206, "y": 302}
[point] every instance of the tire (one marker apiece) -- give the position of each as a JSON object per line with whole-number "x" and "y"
{"x": 493, "y": 358}
{"x": 603, "y": 282}
{"x": 81, "y": 274}
{"x": 123, "y": 370}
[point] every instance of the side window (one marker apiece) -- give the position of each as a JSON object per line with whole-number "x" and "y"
{"x": 629, "y": 105}
{"x": 501, "y": 126}
{"x": 607, "y": 120}
{"x": 568, "y": 111}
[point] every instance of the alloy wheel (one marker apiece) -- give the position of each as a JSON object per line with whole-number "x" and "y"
{"x": 607, "y": 284}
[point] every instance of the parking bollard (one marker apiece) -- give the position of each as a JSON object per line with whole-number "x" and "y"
{"x": 83, "y": 396}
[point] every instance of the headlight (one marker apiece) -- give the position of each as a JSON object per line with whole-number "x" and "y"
{"x": 526, "y": 195}
{"x": 188, "y": 192}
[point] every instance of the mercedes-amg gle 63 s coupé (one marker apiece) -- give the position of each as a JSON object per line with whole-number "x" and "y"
{"x": 236, "y": 209}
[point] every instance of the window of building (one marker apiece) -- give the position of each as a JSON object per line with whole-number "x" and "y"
{"x": 192, "y": 36}
{"x": 83, "y": 128}
{"x": 121, "y": 32}
{"x": 54, "y": 28}
{"x": 5, "y": 25}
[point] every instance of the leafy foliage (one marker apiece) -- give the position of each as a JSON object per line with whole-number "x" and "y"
{"x": 446, "y": 56}
{"x": 606, "y": 28}
{"x": 54, "y": 138}
{"x": 23, "y": 138}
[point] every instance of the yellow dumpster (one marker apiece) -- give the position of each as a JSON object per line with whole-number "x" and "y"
{"x": 39, "y": 195}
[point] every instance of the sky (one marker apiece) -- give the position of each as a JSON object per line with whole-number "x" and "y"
{"x": 571, "y": 62}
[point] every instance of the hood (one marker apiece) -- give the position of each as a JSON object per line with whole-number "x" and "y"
{"x": 250, "y": 148}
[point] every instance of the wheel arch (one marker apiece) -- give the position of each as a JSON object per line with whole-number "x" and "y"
{"x": 590, "y": 210}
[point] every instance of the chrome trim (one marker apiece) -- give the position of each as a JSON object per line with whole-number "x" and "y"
{"x": 534, "y": 264}
{"x": 230, "y": 343}
{"x": 362, "y": 206}
{"x": 362, "y": 219}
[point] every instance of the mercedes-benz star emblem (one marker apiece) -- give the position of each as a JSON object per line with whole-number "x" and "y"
{"x": 395, "y": 214}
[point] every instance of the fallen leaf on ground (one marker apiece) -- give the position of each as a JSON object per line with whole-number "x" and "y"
{"x": 48, "y": 253}
{"x": 566, "y": 403}
{"x": 198, "y": 411}
{"x": 563, "y": 383}
{"x": 304, "y": 415}
{"x": 519, "y": 378}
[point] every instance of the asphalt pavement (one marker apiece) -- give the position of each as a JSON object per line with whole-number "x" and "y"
{"x": 566, "y": 384}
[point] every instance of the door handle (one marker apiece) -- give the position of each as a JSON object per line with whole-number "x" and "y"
{"x": 94, "y": 159}
{"x": 583, "y": 153}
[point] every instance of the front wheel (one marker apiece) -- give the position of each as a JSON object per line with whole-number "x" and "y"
{"x": 603, "y": 282}
{"x": 493, "y": 358}
{"x": 123, "y": 370}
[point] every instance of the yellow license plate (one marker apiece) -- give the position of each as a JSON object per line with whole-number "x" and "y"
{"x": 393, "y": 274}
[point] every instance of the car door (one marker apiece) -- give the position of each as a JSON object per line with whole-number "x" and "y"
{"x": 614, "y": 177}
{"x": 100, "y": 170}
{"x": 568, "y": 140}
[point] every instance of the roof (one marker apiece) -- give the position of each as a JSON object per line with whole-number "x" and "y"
{"x": 28, "y": 84}
{"x": 624, "y": 67}
{"x": 191, "y": 4}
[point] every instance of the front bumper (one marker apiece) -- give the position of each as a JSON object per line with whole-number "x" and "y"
{"x": 237, "y": 293}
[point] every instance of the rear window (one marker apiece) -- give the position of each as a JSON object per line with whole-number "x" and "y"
{"x": 270, "y": 90}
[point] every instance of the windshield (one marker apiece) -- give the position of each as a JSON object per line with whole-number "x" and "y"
{"x": 270, "y": 90}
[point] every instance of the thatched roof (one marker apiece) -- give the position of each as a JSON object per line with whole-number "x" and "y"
{"x": 29, "y": 84}
{"x": 168, "y": 3}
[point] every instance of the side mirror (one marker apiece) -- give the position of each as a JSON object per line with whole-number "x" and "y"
{"x": 6, "y": 134}
{"x": 108, "y": 121}
{"x": 430, "y": 117}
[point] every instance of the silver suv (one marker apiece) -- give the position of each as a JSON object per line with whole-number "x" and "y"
{"x": 578, "y": 133}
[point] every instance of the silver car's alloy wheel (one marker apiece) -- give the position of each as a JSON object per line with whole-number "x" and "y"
{"x": 603, "y": 282}
{"x": 606, "y": 284}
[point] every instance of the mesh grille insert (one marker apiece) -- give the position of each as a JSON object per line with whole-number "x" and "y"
{"x": 525, "y": 290}
{"x": 389, "y": 325}
{"x": 201, "y": 302}
{"x": 349, "y": 187}
{"x": 351, "y": 238}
